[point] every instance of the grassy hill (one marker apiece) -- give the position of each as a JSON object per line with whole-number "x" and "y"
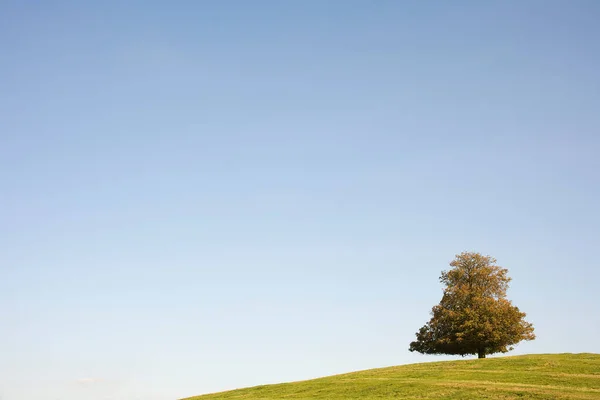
{"x": 544, "y": 376}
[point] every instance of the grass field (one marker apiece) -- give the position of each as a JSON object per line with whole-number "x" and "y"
{"x": 544, "y": 376}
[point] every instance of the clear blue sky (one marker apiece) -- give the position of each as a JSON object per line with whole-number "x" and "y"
{"x": 198, "y": 196}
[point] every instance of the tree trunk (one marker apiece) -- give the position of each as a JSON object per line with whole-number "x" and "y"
{"x": 481, "y": 353}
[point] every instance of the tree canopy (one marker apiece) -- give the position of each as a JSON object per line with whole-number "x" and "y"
{"x": 474, "y": 316}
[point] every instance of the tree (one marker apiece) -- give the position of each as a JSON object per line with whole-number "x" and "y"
{"x": 474, "y": 316}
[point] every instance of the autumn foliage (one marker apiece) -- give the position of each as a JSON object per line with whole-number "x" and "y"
{"x": 474, "y": 316}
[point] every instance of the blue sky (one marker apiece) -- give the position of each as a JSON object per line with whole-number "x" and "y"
{"x": 199, "y": 196}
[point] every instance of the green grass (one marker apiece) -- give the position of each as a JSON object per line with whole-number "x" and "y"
{"x": 543, "y": 376}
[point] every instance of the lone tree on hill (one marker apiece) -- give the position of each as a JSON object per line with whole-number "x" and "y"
{"x": 474, "y": 316}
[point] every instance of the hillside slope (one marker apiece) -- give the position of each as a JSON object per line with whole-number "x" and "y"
{"x": 544, "y": 376}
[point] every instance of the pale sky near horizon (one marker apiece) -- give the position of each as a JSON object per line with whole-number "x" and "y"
{"x": 205, "y": 195}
